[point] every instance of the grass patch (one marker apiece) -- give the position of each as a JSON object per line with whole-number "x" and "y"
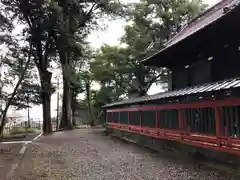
{"x": 20, "y": 130}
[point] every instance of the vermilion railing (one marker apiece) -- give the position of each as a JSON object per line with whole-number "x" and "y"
{"x": 211, "y": 124}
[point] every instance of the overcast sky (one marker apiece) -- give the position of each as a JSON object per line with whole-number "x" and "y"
{"x": 111, "y": 35}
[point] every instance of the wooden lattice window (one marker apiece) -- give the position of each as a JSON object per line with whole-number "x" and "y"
{"x": 168, "y": 119}
{"x": 109, "y": 117}
{"x": 230, "y": 121}
{"x": 115, "y": 117}
{"x": 134, "y": 118}
{"x": 200, "y": 120}
{"x": 148, "y": 119}
{"x": 123, "y": 117}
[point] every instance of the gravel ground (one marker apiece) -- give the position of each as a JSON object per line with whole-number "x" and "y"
{"x": 9, "y": 154}
{"x": 87, "y": 154}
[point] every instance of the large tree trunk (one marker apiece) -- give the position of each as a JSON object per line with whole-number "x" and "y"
{"x": 74, "y": 106}
{"x": 88, "y": 93}
{"x": 66, "y": 120}
{"x": 46, "y": 101}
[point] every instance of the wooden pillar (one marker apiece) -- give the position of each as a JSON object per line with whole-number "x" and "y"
{"x": 140, "y": 118}
{"x": 119, "y": 117}
{"x": 180, "y": 119}
{"x": 156, "y": 116}
{"x": 217, "y": 121}
{"x": 112, "y": 118}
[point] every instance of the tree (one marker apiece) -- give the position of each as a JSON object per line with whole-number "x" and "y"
{"x": 71, "y": 17}
{"x": 20, "y": 72}
{"x": 153, "y": 24}
{"x": 110, "y": 67}
{"x": 36, "y": 15}
{"x": 13, "y": 63}
{"x": 28, "y": 94}
{"x": 78, "y": 86}
{"x": 19, "y": 75}
{"x": 14, "y": 66}
{"x": 74, "y": 21}
{"x": 83, "y": 81}
{"x": 101, "y": 97}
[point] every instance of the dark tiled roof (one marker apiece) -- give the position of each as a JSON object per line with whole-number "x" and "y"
{"x": 200, "y": 22}
{"x": 208, "y": 87}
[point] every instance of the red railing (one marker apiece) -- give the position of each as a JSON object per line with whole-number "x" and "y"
{"x": 226, "y": 137}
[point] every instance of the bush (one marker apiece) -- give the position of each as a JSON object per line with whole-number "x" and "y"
{"x": 31, "y": 130}
{"x": 20, "y": 130}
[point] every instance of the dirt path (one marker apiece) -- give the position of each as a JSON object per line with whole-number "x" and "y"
{"x": 87, "y": 154}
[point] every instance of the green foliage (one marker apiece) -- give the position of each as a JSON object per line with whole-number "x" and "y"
{"x": 28, "y": 95}
{"x": 109, "y": 63}
{"x": 154, "y": 23}
{"x": 103, "y": 96}
{"x": 14, "y": 63}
